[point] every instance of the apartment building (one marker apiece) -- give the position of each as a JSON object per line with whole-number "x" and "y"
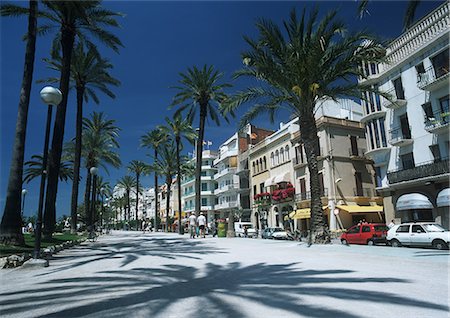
{"x": 408, "y": 134}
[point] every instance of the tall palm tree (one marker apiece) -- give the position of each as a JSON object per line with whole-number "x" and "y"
{"x": 155, "y": 139}
{"x": 200, "y": 89}
{"x": 89, "y": 72}
{"x": 103, "y": 188}
{"x": 10, "y": 226}
{"x": 166, "y": 166}
{"x": 99, "y": 148}
{"x": 315, "y": 61}
{"x": 139, "y": 168}
{"x": 75, "y": 19}
{"x": 127, "y": 183}
{"x": 410, "y": 11}
{"x": 34, "y": 169}
{"x": 180, "y": 127}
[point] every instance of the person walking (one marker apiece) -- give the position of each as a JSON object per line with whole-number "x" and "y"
{"x": 192, "y": 225}
{"x": 201, "y": 224}
{"x": 213, "y": 228}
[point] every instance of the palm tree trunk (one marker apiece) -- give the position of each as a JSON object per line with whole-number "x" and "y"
{"x": 318, "y": 231}
{"x": 77, "y": 160}
{"x": 168, "y": 183}
{"x": 93, "y": 201}
{"x": 87, "y": 200}
{"x": 137, "y": 200}
{"x": 10, "y": 227}
{"x": 67, "y": 40}
{"x": 180, "y": 229}
{"x": 156, "y": 195}
{"x": 198, "y": 167}
{"x": 128, "y": 205}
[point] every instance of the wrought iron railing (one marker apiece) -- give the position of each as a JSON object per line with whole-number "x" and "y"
{"x": 307, "y": 195}
{"x": 439, "y": 119}
{"x": 426, "y": 169}
{"x": 399, "y": 134}
{"x": 431, "y": 74}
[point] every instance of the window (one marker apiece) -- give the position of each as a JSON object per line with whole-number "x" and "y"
{"x": 277, "y": 157}
{"x": 398, "y": 86}
{"x": 353, "y": 145}
{"x": 444, "y": 104}
{"x": 254, "y": 190}
{"x": 265, "y": 163}
{"x": 440, "y": 63}
{"x": 272, "y": 159}
{"x": 366, "y": 229}
{"x": 420, "y": 69}
{"x": 354, "y": 230}
{"x": 378, "y": 176}
{"x": 427, "y": 110}
{"x": 369, "y": 129}
{"x": 286, "y": 150}
{"x": 281, "y": 155}
{"x": 382, "y": 131}
{"x": 404, "y": 125}
{"x": 373, "y": 68}
{"x": 407, "y": 160}
{"x": 204, "y": 186}
{"x": 254, "y": 168}
{"x": 303, "y": 188}
{"x": 257, "y": 166}
{"x": 204, "y": 201}
{"x": 435, "y": 152}
{"x": 403, "y": 229}
{"x": 417, "y": 229}
{"x": 261, "y": 164}
{"x": 261, "y": 187}
{"x": 359, "y": 184}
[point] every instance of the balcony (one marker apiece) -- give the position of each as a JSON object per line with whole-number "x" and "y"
{"x": 373, "y": 115}
{"x": 423, "y": 170}
{"x": 363, "y": 192}
{"x": 400, "y": 136}
{"x": 192, "y": 180}
{"x": 224, "y": 172}
{"x": 225, "y": 154}
{"x": 226, "y": 205}
{"x": 226, "y": 188}
{"x": 394, "y": 103}
{"x": 307, "y": 195}
{"x": 433, "y": 78}
{"x": 438, "y": 124}
{"x": 357, "y": 153}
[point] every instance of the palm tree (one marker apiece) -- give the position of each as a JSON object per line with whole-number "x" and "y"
{"x": 410, "y": 11}
{"x": 155, "y": 139}
{"x": 75, "y": 19}
{"x": 179, "y": 128}
{"x": 127, "y": 183}
{"x": 99, "y": 148}
{"x": 139, "y": 168}
{"x": 315, "y": 61}
{"x": 10, "y": 226}
{"x": 103, "y": 189}
{"x": 89, "y": 72}
{"x": 200, "y": 88}
{"x": 34, "y": 169}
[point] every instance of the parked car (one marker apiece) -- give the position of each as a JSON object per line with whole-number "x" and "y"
{"x": 239, "y": 229}
{"x": 419, "y": 234}
{"x": 366, "y": 233}
{"x": 276, "y": 233}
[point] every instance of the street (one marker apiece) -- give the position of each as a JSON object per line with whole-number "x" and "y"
{"x": 167, "y": 275}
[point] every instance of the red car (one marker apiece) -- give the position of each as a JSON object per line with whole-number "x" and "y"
{"x": 366, "y": 233}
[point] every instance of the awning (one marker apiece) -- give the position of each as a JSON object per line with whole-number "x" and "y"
{"x": 443, "y": 198}
{"x": 412, "y": 201}
{"x": 302, "y": 213}
{"x": 282, "y": 178}
{"x": 361, "y": 209}
{"x": 269, "y": 182}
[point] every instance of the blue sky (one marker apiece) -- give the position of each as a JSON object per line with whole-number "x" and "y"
{"x": 161, "y": 39}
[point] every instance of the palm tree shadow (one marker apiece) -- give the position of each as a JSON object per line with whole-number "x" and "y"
{"x": 156, "y": 290}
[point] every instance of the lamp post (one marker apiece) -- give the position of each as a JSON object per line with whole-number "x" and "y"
{"x": 24, "y": 194}
{"x": 93, "y": 171}
{"x": 50, "y": 96}
{"x": 102, "y": 193}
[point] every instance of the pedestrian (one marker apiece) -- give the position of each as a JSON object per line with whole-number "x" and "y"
{"x": 213, "y": 228}
{"x": 144, "y": 225}
{"x": 192, "y": 225}
{"x": 201, "y": 224}
{"x": 391, "y": 224}
{"x": 245, "y": 231}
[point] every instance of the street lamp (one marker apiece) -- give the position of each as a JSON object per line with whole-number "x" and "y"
{"x": 51, "y": 96}
{"x": 102, "y": 193}
{"x": 93, "y": 171}
{"x": 24, "y": 194}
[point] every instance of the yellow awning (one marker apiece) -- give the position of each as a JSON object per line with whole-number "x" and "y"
{"x": 302, "y": 213}
{"x": 361, "y": 209}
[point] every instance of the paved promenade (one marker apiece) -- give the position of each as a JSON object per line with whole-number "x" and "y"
{"x": 128, "y": 274}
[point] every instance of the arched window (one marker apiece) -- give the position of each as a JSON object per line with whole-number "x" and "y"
{"x": 265, "y": 163}
{"x": 277, "y": 157}
{"x": 261, "y": 164}
{"x": 272, "y": 159}
{"x": 257, "y": 166}
{"x": 281, "y": 155}
{"x": 286, "y": 150}
{"x": 253, "y": 164}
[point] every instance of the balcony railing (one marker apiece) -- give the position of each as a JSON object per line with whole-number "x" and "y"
{"x": 423, "y": 170}
{"x": 363, "y": 192}
{"x": 356, "y": 152}
{"x": 433, "y": 77}
{"x": 439, "y": 122}
{"x": 224, "y": 172}
{"x": 400, "y": 136}
{"x": 395, "y": 102}
{"x": 307, "y": 195}
{"x": 226, "y": 205}
{"x": 228, "y": 187}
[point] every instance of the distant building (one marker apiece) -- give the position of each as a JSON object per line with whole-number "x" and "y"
{"x": 408, "y": 136}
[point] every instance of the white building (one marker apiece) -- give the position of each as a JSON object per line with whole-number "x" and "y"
{"x": 408, "y": 136}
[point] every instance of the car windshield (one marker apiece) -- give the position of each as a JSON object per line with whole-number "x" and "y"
{"x": 278, "y": 229}
{"x": 433, "y": 228}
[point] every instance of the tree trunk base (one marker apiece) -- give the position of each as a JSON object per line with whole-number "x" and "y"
{"x": 320, "y": 236}
{"x": 231, "y": 233}
{"x": 12, "y": 239}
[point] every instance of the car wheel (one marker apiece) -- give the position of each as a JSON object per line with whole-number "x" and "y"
{"x": 395, "y": 243}
{"x": 370, "y": 243}
{"x": 344, "y": 241}
{"x": 440, "y": 245}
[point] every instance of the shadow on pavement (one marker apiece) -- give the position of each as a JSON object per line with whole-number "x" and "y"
{"x": 153, "y": 291}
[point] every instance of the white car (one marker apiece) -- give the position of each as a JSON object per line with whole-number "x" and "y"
{"x": 419, "y": 234}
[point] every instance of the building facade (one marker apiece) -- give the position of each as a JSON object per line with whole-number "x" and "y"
{"x": 408, "y": 134}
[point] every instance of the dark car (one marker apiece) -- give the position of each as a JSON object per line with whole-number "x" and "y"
{"x": 365, "y": 233}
